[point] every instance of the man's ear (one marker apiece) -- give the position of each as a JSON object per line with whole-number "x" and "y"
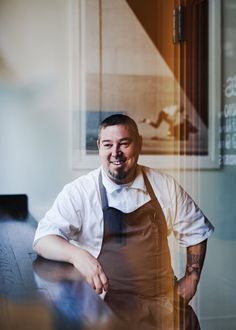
{"x": 98, "y": 144}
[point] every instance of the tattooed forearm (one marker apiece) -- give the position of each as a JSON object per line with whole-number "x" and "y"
{"x": 194, "y": 263}
{"x": 195, "y": 258}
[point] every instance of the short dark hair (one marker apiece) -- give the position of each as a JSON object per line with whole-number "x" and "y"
{"x": 119, "y": 119}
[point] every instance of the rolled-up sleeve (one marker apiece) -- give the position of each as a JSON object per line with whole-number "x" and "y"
{"x": 189, "y": 224}
{"x": 63, "y": 219}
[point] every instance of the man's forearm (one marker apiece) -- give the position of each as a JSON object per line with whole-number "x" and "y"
{"x": 195, "y": 259}
{"x": 55, "y": 248}
{"x": 187, "y": 285}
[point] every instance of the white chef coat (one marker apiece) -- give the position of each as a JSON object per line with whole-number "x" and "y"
{"x": 77, "y": 216}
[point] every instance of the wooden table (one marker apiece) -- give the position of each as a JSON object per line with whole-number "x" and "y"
{"x": 40, "y": 294}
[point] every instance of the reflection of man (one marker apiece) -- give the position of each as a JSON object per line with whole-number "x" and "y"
{"x": 178, "y": 124}
{"x": 112, "y": 225}
{"x": 75, "y": 304}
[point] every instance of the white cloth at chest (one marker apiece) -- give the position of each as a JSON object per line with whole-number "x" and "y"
{"x": 126, "y": 198}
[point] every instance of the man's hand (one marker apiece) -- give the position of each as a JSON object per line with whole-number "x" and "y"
{"x": 91, "y": 269}
{"x": 187, "y": 287}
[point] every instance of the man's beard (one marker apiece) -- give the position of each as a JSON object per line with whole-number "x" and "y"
{"x": 119, "y": 175}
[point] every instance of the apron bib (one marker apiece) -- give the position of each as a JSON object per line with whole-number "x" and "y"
{"x": 135, "y": 254}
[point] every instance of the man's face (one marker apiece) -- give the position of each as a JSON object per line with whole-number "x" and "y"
{"x": 118, "y": 152}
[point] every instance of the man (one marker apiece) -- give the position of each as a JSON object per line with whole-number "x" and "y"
{"x": 112, "y": 225}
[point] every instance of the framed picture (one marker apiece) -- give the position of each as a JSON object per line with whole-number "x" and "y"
{"x": 115, "y": 71}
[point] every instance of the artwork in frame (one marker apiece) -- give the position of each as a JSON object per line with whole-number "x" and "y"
{"x": 112, "y": 72}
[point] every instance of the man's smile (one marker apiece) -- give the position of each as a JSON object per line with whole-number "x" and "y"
{"x": 118, "y": 162}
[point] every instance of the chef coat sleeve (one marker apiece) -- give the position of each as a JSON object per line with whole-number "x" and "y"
{"x": 64, "y": 217}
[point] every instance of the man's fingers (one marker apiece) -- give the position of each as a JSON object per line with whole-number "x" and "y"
{"x": 100, "y": 282}
{"x": 97, "y": 284}
{"x": 104, "y": 281}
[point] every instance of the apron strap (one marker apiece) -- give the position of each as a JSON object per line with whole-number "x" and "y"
{"x": 149, "y": 187}
{"x": 162, "y": 218}
{"x": 103, "y": 192}
{"x": 113, "y": 218}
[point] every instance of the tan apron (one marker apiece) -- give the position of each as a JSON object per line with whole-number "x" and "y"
{"x": 136, "y": 259}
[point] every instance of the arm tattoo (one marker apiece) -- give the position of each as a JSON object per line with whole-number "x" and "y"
{"x": 194, "y": 263}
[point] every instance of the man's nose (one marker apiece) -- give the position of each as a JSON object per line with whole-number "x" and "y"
{"x": 116, "y": 150}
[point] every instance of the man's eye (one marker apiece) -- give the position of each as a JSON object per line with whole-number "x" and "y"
{"x": 125, "y": 144}
{"x": 107, "y": 145}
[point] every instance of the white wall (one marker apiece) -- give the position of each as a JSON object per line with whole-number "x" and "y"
{"x": 34, "y": 120}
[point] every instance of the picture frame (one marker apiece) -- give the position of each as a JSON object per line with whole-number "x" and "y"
{"x": 85, "y": 114}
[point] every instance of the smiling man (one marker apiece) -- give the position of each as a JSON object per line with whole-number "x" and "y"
{"x": 119, "y": 148}
{"x": 112, "y": 225}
